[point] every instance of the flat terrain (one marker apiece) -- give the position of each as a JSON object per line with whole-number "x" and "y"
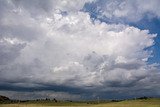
{"x": 127, "y": 103}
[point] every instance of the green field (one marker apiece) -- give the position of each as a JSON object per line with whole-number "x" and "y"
{"x": 127, "y": 103}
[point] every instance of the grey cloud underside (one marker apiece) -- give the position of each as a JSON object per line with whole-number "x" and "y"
{"x": 55, "y": 46}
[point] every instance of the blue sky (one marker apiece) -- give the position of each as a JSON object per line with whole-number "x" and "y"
{"x": 153, "y": 26}
{"x": 74, "y": 49}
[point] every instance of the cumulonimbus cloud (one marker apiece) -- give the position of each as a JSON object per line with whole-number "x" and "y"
{"x": 71, "y": 49}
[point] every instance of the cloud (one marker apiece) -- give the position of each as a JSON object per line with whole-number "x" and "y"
{"x": 51, "y": 49}
{"x": 124, "y": 10}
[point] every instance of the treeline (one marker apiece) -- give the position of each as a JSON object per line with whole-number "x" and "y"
{"x": 143, "y": 98}
{"x": 4, "y": 99}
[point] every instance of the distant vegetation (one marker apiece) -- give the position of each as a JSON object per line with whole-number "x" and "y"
{"x": 4, "y": 99}
{"x": 136, "y": 102}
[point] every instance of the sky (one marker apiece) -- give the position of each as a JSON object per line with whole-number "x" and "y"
{"x": 79, "y": 49}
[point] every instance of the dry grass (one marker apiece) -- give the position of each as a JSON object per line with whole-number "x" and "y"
{"x": 130, "y": 103}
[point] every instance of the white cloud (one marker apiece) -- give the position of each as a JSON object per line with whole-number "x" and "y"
{"x": 128, "y": 9}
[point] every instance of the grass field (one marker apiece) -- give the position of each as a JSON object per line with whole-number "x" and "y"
{"x": 128, "y": 103}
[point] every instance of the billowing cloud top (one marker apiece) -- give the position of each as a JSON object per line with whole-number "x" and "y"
{"x": 54, "y": 48}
